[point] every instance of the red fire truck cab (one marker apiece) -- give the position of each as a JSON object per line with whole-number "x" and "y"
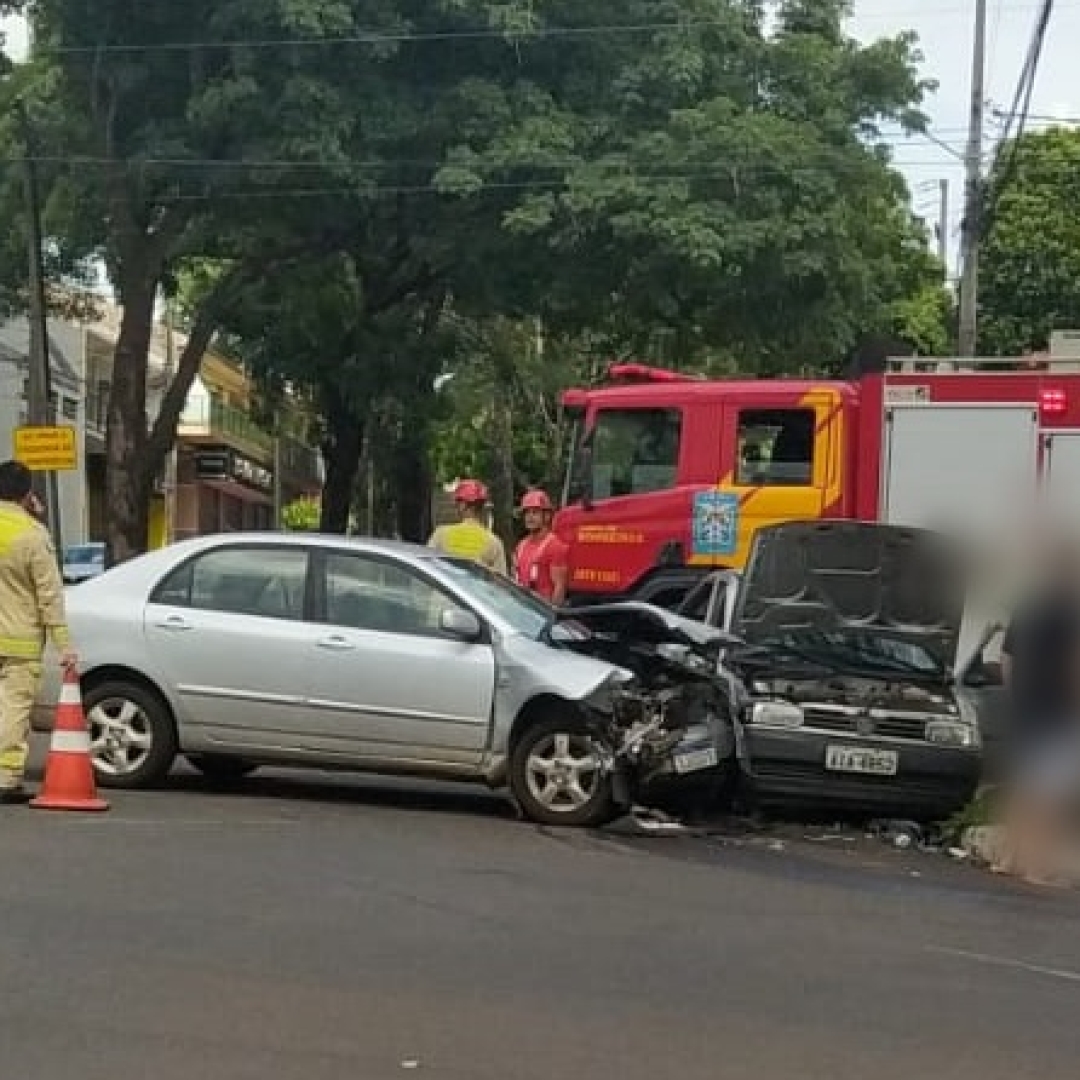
{"x": 670, "y": 476}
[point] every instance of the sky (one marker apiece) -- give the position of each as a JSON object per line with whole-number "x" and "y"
{"x": 946, "y": 30}
{"x": 946, "y": 34}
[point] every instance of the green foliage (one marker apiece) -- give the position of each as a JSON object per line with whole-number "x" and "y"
{"x": 1029, "y": 270}
{"x": 924, "y": 319}
{"x": 984, "y": 809}
{"x": 301, "y": 515}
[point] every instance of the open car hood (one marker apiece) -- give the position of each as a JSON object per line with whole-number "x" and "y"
{"x": 644, "y": 624}
{"x": 856, "y": 580}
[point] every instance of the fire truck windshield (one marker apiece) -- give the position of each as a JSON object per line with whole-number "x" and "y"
{"x": 574, "y": 480}
{"x": 625, "y": 452}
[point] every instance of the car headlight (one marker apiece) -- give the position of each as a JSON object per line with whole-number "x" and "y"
{"x": 776, "y": 714}
{"x": 951, "y": 733}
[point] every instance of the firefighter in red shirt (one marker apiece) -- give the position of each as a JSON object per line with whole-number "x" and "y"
{"x": 541, "y": 559}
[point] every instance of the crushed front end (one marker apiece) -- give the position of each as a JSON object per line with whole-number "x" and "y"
{"x": 668, "y": 732}
{"x": 849, "y": 633}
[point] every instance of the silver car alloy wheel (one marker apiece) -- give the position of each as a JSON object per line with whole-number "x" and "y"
{"x": 563, "y": 772}
{"x": 121, "y": 737}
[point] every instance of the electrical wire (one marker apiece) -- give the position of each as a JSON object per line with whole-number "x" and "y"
{"x": 393, "y": 37}
{"x": 1018, "y": 114}
{"x": 369, "y": 187}
{"x": 386, "y": 37}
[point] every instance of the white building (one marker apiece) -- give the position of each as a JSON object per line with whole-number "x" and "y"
{"x": 67, "y": 359}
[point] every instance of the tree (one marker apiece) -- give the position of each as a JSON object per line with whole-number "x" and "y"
{"x": 1029, "y": 267}
{"x": 729, "y": 189}
{"x": 149, "y": 143}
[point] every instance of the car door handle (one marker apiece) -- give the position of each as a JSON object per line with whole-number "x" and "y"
{"x": 174, "y": 622}
{"x": 336, "y": 642}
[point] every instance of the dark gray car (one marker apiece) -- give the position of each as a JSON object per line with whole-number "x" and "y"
{"x": 849, "y": 634}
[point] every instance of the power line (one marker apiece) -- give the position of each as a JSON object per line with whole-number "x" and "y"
{"x": 388, "y": 37}
{"x": 344, "y": 164}
{"x": 395, "y": 37}
{"x": 739, "y": 172}
{"x": 1021, "y": 107}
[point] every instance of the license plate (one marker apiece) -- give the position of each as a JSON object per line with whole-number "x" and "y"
{"x": 862, "y": 759}
{"x": 695, "y": 760}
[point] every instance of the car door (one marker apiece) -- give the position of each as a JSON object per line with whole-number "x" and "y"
{"x": 980, "y": 680}
{"x": 385, "y": 681}
{"x": 226, "y": 629}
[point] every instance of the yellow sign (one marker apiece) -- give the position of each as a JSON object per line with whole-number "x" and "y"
{"x": 47, "y": 449}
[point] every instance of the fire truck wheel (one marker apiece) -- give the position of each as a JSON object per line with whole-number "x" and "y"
{"x": 557, "y": 777}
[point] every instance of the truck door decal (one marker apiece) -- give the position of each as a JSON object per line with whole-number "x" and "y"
{"x": 715, "y": 523}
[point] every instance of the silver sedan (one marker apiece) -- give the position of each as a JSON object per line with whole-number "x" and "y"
{"x": 239, "y": 650}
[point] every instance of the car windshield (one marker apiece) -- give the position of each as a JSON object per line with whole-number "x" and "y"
{"x": 85, "y": 553}
{"x": 517, "y": 607}
{"x": 879, "y": 654}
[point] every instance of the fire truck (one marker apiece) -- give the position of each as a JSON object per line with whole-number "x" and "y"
{"x": 670, "y": 475}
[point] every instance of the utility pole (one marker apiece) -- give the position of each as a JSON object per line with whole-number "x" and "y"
{"x": 39, "y": 398}
{"x": 277, "y": 489}
{"x": 969, "y": 239}
{"x": 943, "y": 227}
{"x": 170, "y": 486}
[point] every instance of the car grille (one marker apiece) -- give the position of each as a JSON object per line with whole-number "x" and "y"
{"x": 788, "y": 778}
{"x": 847, "y": 721}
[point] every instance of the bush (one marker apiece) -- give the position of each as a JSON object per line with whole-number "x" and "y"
{"x": 302, "y": 515}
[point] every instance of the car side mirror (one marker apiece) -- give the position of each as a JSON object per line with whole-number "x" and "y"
{"x": 983, "y": 675}
{"x": 462, "y": 624}
{"x": 567, "y": 633}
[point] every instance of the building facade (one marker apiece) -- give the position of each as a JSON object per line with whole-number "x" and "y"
{"x": 66, "y": 367}
{"x": 226, "y": 472}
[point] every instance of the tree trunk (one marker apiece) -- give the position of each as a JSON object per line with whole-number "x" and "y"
{"x": 128, "y": 475}
{"x": 502, "y": 446}
{"x": 341, "y": 451}
{"x": 414, "y": 484}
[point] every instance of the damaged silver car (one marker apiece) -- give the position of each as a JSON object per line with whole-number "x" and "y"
{"x": 243, "y": 650}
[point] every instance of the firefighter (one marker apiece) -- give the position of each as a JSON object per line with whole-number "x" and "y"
{"x": 541, "y": 561}
{"x": 31, "y": 611}
{"x": 470, "y": 538}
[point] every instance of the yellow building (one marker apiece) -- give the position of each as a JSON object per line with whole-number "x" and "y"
{"x": 226, "y": 472}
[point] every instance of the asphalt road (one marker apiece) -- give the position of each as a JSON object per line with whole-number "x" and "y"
{"x": 331, "y": 929}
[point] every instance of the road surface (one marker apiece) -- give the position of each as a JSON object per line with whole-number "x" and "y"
{"x": 336, "y": 929}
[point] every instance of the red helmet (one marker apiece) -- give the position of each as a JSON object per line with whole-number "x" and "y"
{"x": 536, "y": 500}
{"x": 470, "y": 492}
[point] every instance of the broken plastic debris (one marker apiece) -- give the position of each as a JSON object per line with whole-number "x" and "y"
{"x": 656, "y": 822}
{"x": 900, "y": 833}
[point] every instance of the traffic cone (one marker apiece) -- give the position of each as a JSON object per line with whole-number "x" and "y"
{"x": 69, "y": 771}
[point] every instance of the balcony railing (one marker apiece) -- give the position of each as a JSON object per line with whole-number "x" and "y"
{"x": 229, "y": 421}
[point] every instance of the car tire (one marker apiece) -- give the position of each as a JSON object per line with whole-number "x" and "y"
{"x": 132, "y": 734}
{"x": 548, "y": 757}
{"x": 222, "y": 768}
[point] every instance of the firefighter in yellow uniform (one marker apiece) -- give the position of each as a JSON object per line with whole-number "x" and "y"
{"x": 470, "y": 538}
{"x": 31, "y": 611}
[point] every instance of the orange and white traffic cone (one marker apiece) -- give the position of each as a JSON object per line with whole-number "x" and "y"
{"x": 69, "y": 770}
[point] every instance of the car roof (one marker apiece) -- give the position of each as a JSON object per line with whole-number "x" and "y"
{"x": 305, "y": 539}
{"x": 142, "y": 571}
